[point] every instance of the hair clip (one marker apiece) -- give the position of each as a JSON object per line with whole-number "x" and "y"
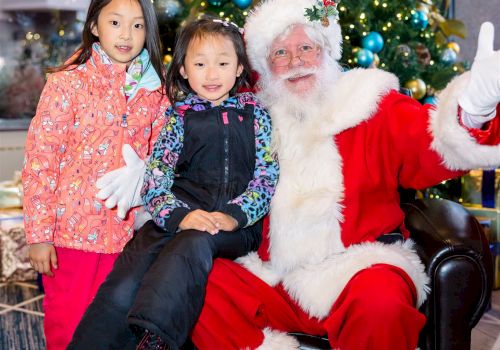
{"x": 322, "y": 10}
{"x": 226, "y": 23}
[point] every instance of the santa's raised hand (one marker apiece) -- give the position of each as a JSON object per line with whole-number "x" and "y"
{"x": 482, "y": 94}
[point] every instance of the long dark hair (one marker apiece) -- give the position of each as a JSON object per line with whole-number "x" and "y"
{"x": 152, "y": 43}
{"x": 198, "y": 29}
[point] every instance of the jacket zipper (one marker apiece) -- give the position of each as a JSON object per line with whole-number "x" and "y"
{"x": 225, "y": 125}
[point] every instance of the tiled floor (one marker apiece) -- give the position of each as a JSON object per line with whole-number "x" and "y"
{"x": 21, "y": 320}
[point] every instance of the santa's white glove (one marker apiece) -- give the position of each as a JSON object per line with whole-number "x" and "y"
{"x": 123, "y": 186}
{"x": 482, "y": 94}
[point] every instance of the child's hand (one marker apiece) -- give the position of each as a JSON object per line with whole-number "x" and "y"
{"x": 42, "y": 257}
{"x": 226, "y": 222}
{"x": 200, "y": 220}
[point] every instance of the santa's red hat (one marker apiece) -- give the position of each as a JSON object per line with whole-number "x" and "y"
{"x": 272, "y": 18}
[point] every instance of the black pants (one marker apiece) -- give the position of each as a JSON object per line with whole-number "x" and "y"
{"x": 158, "y": 286}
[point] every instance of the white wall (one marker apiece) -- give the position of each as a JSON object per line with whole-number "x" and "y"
{"x": 473, "y": 13}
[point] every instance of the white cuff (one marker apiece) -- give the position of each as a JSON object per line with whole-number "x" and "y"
{"x": 459, "y": 150}
{"x": 475, "y": 121}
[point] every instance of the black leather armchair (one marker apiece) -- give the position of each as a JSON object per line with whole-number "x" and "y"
{"x": 454, "y": 249}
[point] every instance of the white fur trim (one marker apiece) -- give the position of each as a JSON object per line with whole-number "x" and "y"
{"x": 276, "y": 340}
{"x": 255, "y": 265}
{"x": 272, "y": 17}
{"x": 356, "y": 97}
{"x": 317, "y": 287}
{"x": 452, "y": 141}
{"x": 306, "y": 210}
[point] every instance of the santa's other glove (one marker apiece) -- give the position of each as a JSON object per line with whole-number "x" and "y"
{"x": 482, "y": 94}
{"x": 122, "y": 186}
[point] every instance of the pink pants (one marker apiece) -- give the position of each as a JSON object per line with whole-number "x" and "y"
{"x": 70, "y": 291}
{"x": 375, "y": 311}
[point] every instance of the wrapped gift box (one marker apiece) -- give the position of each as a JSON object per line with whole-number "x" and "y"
{"x": 14, "y": 262}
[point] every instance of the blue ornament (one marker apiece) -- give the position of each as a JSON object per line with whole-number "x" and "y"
{"x": 373, "y": 42}
{"x": 242, "y": 4}
{"x": 431, "y": 100}
{"x": 448, "y": 56}
{"x": 364, "y": 57}
{"x": 420, "y": 20}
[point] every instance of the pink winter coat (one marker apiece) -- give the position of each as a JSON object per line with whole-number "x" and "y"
{"x": 76, "y": 136}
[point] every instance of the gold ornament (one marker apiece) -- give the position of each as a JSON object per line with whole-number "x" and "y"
{"x": 417, "y": 87}
{"x": 454, "y": 46}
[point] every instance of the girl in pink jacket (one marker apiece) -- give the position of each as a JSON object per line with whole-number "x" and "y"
{"x": 108, "y": 95}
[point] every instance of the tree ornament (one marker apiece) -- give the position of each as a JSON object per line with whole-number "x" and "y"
{"x": 403, "y": 50}
{"x": 167, "y": 9}
{"x": 364, "y": 57}
{"x": 431, "y": 100}
{"x": 419, "y": 20}
{"x": 454, "y": 46}
{"x": 448, "y": 56}
{"x": 373, "y": 41}
{"x": 417, "y": 87}
{"x": 423, "y": 54}
{"x": 242, "y": 4}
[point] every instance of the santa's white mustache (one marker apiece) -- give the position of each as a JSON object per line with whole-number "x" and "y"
{"x": 298, "y": 73}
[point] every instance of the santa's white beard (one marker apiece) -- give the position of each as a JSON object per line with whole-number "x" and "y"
{"x": 276, "y": 95}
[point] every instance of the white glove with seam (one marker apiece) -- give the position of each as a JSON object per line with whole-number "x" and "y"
{"x": 122, "y": 187}
{"x": 482, "y": 93}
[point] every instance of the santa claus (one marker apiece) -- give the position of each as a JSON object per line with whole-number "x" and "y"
{"x": 337, "y": 260}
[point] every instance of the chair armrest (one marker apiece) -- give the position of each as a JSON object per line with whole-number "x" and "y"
{"x": 455, "y": 251}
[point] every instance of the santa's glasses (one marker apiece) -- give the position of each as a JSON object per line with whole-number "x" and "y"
{"x": 282, "y": 57}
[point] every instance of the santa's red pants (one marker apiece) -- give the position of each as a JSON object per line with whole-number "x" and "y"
{"x": 376, "y": 311}
{"x": 70, "y": 291}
